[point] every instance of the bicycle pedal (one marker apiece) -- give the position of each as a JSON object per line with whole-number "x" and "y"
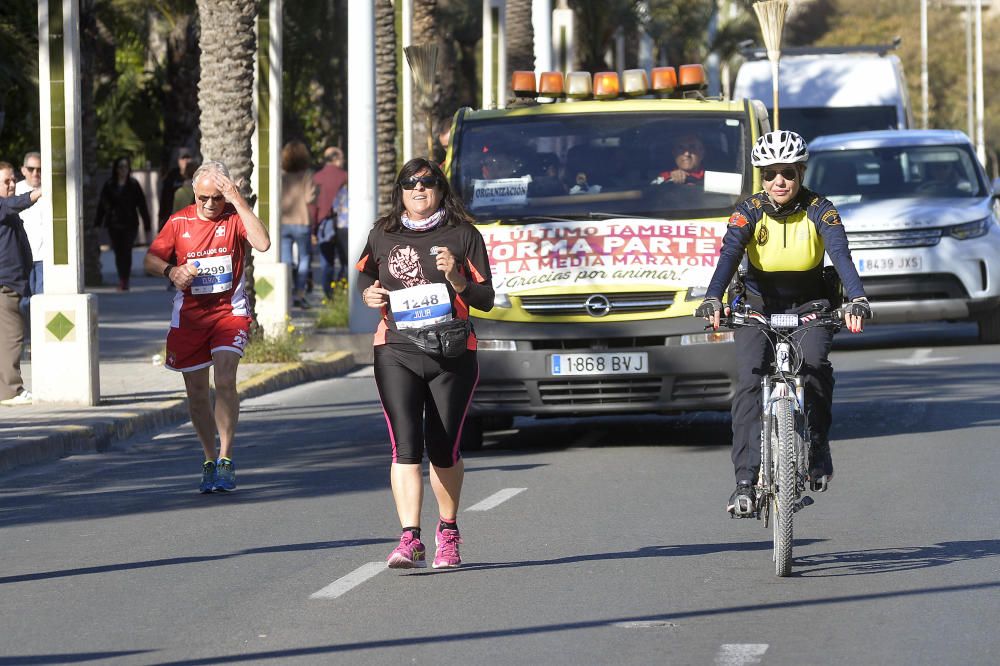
{"x": 802, "y": 503}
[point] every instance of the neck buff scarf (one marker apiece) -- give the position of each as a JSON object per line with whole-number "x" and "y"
{"x": 798, "y": 203}
{"x": 425, "y": 224}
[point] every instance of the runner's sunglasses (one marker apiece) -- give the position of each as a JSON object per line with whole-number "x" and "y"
{"x": 426, "y": 181}
{"x": 788, "y": 173}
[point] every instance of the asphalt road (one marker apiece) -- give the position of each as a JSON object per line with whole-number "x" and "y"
{"x": 599, "y": 541}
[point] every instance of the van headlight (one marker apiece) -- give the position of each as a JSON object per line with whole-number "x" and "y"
{"x": 970, "y": 229}
{"x": 501, "y": 301}
{"x": 696, "y": 293}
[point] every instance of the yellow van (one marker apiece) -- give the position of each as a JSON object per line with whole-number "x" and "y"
{"x": 599, "y": 253}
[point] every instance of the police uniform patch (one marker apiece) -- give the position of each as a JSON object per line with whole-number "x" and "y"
{"x": 738, "y": 220}
{"x": 762, "y": 235}
{"x": 831, "y": 217}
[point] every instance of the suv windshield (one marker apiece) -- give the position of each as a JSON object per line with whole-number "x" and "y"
{"x": 894, "y": 172}
{"x": 582, "y": 165}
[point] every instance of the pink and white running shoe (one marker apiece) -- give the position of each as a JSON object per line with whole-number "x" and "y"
{"x": 447, "y": 556}
{"x": 409, "y": 554}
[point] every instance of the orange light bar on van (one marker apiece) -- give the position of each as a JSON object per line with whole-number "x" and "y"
{"x": 691, "y": 77}
{"x": 578, "y": 85}
{"x": 606, "y": 85}
{"x": 550, "y": 84}
{"x": 635, "y": 82}
{"x": 664, "y": 80}
{"x": 523, "y": 84}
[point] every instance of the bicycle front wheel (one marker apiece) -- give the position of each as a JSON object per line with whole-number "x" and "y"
{"x": 783, "y": 441}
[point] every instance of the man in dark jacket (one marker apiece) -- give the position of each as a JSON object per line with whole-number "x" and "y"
{"x": 15, "y": 266}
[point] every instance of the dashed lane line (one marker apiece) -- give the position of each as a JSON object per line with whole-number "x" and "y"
{"x": 740, "y": 654}
{"x": 350, "y": 581}
{"x": 496, "y": 499}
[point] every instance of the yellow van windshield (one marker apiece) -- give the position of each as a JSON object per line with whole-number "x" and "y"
{"x": 593, "y": 165}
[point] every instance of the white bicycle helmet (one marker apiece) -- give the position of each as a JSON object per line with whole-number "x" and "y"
{"x": 780, "y": 147}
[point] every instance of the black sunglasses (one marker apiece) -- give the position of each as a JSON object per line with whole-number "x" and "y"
{"x": 788, "y": 173}
{"x": 426, "y": 181}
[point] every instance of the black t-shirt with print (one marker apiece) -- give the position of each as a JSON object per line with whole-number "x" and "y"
{"x": 406, "y": 258}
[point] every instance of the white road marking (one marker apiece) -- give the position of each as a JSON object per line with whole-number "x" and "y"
{"x": 170, "y": 435}
{"x": 367, "y": 371}
{"x": 920, "y": 357}
{"x": 738, "y": 654}
{"x": 350, "y": 581}
{"x": 496, "y": 499}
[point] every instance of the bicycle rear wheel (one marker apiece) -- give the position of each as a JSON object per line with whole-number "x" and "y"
{"x": 784, "y": 480}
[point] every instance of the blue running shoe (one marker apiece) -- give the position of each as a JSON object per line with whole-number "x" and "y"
{"x": 225, "y": 475}
{"x": 207, "y": 477}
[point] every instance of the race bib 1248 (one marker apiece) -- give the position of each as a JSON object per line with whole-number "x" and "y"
{"x": 423, "y": 305}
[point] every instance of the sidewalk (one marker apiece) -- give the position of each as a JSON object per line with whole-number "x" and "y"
{"x": 137, "y": 395}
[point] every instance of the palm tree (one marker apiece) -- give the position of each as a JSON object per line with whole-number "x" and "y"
{"x": 385, "y": 99}
{"x": 520, "y": 36}
{"x": 226, "y": 93}
{"x": 425, "y": 30}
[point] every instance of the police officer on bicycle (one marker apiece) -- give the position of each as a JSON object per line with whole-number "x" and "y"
{"x": 784, "y": 232}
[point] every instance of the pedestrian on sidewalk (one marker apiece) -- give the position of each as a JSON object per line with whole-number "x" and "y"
{"x": 36, "y": 225}
{"x": 15, "y": 268}
{"x": 121, "y": 205}
{"x": 201, "y": 249}
{"x": 297, "y": 194}
{"x": 330, "y": 180}
{"x": 424, "y": 265}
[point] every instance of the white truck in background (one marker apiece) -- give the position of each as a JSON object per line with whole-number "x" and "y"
{"x": 830, "y": 90}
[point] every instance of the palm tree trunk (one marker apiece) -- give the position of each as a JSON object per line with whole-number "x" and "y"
{"x": 385, "y": 100}
{"x": 425, "y": 30}
{"x": 520, "y": 37}
{"x": 226, "y": 95}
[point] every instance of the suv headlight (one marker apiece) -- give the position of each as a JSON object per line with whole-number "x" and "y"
{"x": 970, "y": 229}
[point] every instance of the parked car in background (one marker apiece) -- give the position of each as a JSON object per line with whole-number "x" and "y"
{"x": 922, "y": 221}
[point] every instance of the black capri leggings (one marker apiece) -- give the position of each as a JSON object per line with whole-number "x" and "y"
{"x": 425, "y": 401}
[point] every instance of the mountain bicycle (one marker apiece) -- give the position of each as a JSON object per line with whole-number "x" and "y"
{"x": 784, "y": 440}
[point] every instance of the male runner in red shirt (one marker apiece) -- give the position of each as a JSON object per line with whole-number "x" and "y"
{"x": 201, "y": 249}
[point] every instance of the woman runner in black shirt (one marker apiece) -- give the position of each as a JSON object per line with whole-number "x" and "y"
{"x": 424, "y": 264}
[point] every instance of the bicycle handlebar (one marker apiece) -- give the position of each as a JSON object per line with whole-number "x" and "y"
{"x": 743, "y": 315}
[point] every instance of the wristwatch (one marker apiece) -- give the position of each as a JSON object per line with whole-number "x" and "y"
{"x": 166, "y": 271}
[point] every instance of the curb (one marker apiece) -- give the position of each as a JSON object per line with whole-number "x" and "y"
{"x": 99, "y": 437}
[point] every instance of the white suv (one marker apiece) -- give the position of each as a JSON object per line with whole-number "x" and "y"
{"x": 922, "y": 221}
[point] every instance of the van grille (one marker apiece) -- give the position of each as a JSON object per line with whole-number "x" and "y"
{"x": 577, "y": 304}
{"x": 879, "y": 240}
{"x": 600, "y": 391}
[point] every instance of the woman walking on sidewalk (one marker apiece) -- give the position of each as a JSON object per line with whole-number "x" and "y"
{"x": 201, "y": 250}
{"x": 121, "y": 205}
{"x": 424, "y": 266}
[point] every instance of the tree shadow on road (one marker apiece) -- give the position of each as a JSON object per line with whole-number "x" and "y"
{"x": 891, "y": 560}
{"x": 194, "y": 559}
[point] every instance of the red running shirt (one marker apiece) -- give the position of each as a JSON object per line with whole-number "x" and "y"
{"x": 218, "y": 249}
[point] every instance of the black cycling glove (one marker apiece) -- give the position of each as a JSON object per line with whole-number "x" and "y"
{"x": 708, "y": 308}
{"x": 859, "y": 307}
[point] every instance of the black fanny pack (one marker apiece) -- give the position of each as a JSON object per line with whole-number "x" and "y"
{"x": 449, "y": 339}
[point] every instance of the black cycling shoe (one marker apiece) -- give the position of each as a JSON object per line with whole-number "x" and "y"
{"x": 742, "y": 503}
{"x": 820, "y": 467}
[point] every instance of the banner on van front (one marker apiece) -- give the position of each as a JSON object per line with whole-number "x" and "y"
{"x": 611, "y": 253}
